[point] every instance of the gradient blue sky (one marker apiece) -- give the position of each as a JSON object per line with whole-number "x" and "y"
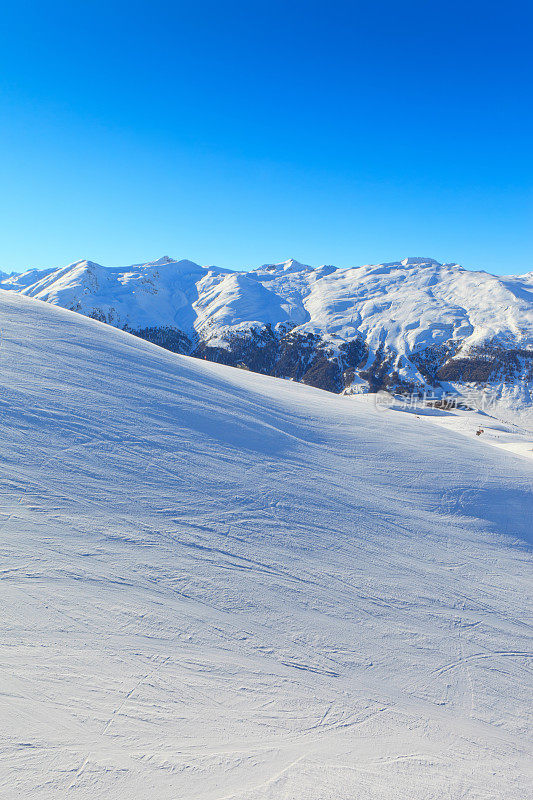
{"x": 241, "y": 133}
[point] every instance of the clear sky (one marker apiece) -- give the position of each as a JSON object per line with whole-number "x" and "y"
{"x": 238, "y": 133}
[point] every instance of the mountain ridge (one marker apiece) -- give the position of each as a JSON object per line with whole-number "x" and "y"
{"x": 404, "y": 326}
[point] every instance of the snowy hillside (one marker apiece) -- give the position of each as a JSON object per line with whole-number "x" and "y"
{"x": 403, "y": 326}
{"x": 222, "y": 585}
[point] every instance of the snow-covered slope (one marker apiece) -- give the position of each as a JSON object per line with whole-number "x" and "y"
{"x": 221, "y": 585}
{"x": 405, "y": 325}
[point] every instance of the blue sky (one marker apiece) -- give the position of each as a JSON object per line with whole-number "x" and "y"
{"x": 241, "y": 133}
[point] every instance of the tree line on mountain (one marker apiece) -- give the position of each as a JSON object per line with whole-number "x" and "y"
{"x": 307, "y": 358}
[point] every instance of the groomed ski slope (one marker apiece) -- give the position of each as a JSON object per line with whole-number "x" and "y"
{"x": 224, "y": 586}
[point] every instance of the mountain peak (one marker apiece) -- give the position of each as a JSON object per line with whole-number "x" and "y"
{"x": 159, "y": 262}
{"x": 418, "y": 261}
{"x": 291, "y": 265}
{"x": 82, "y": 262}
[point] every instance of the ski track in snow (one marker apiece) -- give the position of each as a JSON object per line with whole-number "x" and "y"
{"x": 223, "y": 586}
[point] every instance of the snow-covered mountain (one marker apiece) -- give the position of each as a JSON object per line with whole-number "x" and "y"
{"x": 222, "y": 585}
{"x": 402, "y": 326}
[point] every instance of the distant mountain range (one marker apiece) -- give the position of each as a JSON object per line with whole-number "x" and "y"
{"x": 405, "y": 326}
